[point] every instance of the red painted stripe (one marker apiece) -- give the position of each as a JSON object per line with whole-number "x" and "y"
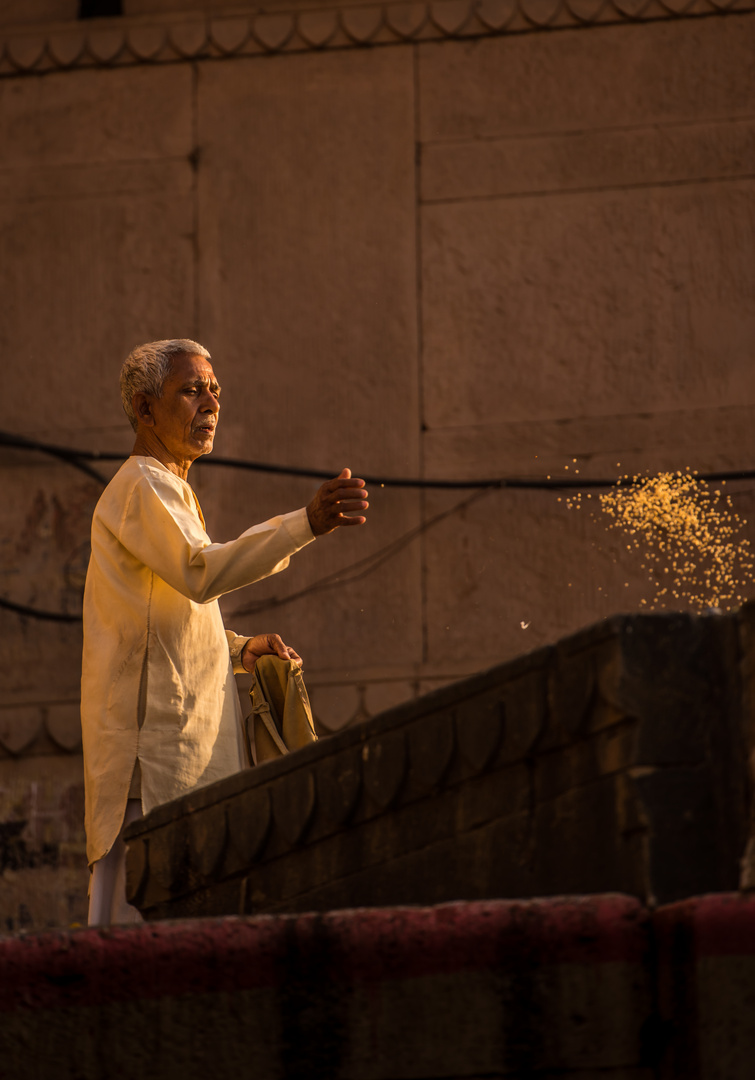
{"x": 722, "y": 924}
{"x": 93, "y": 967}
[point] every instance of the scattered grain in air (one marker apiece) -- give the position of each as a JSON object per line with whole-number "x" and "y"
{"x": 685, "y": 535}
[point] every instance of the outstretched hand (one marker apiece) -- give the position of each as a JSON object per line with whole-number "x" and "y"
{"x": 334, "y": 503}
{"x": 266, "y": 644}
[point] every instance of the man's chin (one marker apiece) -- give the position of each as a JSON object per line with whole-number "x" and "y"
{"x": 204, "y": 440}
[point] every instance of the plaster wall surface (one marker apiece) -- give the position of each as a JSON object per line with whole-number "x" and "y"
{"x": 455, "y": 259}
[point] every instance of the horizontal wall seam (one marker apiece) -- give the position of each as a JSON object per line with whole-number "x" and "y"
{"x": 547, "y": 193}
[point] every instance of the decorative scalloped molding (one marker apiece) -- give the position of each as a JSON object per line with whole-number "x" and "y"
{"x": 125, "y": 42}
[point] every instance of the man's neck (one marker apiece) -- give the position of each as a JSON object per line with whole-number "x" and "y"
{"x": 147, "y": 444}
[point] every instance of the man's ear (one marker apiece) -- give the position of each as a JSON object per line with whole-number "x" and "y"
{"x": 142, "y": 406}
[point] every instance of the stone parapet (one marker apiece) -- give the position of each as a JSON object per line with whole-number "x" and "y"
{"x": 613, "y": 761}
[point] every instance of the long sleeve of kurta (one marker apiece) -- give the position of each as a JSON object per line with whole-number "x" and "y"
{"x": 157, "y": 682}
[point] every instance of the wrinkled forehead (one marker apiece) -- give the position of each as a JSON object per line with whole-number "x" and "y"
{"x": 188, "y": 368}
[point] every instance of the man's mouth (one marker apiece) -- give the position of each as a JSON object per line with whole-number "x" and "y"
{"x": 206, "y": 428}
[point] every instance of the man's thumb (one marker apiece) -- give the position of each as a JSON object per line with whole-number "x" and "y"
{"x": 345, "y": 474}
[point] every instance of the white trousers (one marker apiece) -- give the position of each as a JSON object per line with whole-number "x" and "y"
{"x": 107, "y": 895}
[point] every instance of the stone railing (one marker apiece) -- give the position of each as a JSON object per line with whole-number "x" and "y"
{"x": 613, "y": 761}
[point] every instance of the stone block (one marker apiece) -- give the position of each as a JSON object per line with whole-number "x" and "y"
{"x": 591, "y": 298}
{"x": 587, "y": 160}
{"x": 746, "y": 625}
{"x": 29, "y": 12}
{"x": 22, "y": 638}
{"x": 688, "y": 816}
{"x": 577, "y": 842}
{"x": 645, "y": 74}
{"x": 606, "y": 447}
{"x": 341, "y": 196}
{"x": 141, "y": 247}
{"x": 96, "y": 117}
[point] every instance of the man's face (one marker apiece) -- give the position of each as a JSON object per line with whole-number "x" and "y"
{"x": 186, "y": 414}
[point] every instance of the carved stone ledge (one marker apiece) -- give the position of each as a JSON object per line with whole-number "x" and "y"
{"x": 40, "y": 730}
{"x": 613, "y": 760}
{"x": 187, "y": 37}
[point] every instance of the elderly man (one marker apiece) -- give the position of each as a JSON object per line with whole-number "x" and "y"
{"x": 160, "y": 713}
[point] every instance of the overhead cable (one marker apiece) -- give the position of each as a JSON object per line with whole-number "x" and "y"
{"x": 79, "y": 459}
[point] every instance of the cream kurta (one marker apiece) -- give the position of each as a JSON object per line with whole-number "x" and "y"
{"x": 157, "y": 682}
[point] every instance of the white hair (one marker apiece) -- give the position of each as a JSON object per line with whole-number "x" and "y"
{"x": 146, "y": 368}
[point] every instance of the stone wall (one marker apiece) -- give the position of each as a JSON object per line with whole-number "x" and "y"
{"x": 478, "y": 249}
{"x": 612, "y": 762}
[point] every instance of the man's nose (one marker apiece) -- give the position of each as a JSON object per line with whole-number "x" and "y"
{"x": 210, "y": 403}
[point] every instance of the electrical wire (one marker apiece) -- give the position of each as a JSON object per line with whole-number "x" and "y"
{"x": 38, "y": 613}
{"x": 364, "y": 567}
{"x": 79, "y": 459}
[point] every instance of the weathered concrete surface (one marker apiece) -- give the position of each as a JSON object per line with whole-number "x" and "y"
{"x": 572, "y": 987}
{"x": 706, "y": 987}
{"x": 548, "y": 987}
{"x": 614, "y": 761}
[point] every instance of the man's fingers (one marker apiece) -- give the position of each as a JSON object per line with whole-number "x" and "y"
{"x": 345, "y": 520}
{"x": 335, "y": 500}
{"x": 278, "y": 646}
{"x": 343, "y": 495}
{"x": 343, "y": 484}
